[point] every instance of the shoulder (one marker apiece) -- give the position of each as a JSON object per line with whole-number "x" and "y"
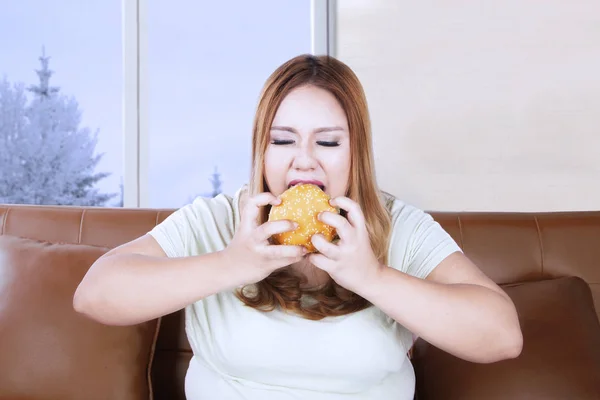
{"x": 404, "y": 215}
{"x": 222, "y": 210}
{"x": 417, "y": 242}
{"x": 203, "y": 225}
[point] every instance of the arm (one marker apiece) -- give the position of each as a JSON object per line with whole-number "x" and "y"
{"x": 457, "y": 309}
{"x": 137, "y": 282}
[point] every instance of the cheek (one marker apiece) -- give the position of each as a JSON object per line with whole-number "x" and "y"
{"x": 274, "y": 160}
{"x": 274, "y": 170}
{"x": 269, "y": 167}
{"x": 342, "y": 164}
{"x": 338, "y": 171}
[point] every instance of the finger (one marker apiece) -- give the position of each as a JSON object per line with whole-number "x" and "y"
{"x": 355, "y": 214}
{"x": 280, "y": 251}
{"x": 270, "y": 228}
{"x": 341, "y": 224}
{"x": 262, "y": 199}
{"x": 324, "y": 247}
{"x": 254, "y": 204}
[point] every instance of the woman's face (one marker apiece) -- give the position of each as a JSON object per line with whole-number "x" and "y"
{"x": 309, "y": 143}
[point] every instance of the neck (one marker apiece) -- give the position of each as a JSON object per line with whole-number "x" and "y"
{"x": 314, "y": 277}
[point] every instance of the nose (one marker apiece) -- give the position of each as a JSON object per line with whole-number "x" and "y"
{"x": 304, "y": 158}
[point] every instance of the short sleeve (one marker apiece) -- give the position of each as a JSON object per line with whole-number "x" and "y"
{"x": 205, "y": 226}
{"x": 175, "y": 232}
{"x": 418, "y": 243}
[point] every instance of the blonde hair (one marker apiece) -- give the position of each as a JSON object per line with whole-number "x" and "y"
{"x": 283, "y": 288}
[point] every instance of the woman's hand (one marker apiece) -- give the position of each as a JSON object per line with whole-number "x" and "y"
{"x": 250, "y": 253}
{"x": 350, "y": 262}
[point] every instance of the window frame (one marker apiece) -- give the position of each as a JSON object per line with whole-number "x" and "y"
{"x": 135, "y": 92}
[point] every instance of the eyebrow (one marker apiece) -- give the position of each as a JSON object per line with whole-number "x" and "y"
{"x": 318, "y": 130}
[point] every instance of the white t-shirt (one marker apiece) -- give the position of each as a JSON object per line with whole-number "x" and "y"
{"x": 241, "y": 353}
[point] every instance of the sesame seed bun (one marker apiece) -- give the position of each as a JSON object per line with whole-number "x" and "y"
{"x": 302, "y": 204}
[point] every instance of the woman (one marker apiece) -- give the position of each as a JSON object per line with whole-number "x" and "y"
{"x": 269, "y": 321}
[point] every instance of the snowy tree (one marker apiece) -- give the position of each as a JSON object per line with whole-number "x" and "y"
{"x": 216, "y": 182}
{"x": 46, "y": 158}
{"x": 13, "y": 135}
{"x": 121, "y": 199}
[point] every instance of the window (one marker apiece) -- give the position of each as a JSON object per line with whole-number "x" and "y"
{"x": 154, "y": 99}
{"x": 61, "y": 102}
{"x": 206, "y": 64}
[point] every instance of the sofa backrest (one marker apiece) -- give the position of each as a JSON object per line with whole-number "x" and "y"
{"x": 509, "y": 247}
{"x": 519, "y": 247}
{"x": 108, "y": 228}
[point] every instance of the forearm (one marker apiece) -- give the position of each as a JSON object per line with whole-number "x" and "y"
{"x": 125, "y": 289}
{"x": 470, "y": 321}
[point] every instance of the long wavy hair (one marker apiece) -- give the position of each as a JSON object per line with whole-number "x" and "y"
{"x": 283, "y": 287}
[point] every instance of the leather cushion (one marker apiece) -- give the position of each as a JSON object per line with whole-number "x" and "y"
{"x": 560, "y": 357}
{"x": 49, "y": 351}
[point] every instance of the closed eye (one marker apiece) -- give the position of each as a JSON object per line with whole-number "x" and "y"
{"x": 282, "y": 142}
{"x": 328, "y": 144}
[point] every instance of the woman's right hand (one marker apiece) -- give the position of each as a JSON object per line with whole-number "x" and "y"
{"x": 250, "y": 253}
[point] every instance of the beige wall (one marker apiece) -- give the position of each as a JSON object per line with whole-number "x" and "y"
{"x": 491, "y": 105}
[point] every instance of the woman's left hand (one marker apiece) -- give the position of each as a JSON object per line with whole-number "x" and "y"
{"x": 350, "y": 261}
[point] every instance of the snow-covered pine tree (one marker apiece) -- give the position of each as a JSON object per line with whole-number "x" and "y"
{"x": 121, "y": 199}
{"x": 13, "y": 129}
{"x": 51, "y": 159}
{"x": 216, "y": 182}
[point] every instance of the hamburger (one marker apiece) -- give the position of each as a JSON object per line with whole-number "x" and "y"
{"x": 302, "y": 204}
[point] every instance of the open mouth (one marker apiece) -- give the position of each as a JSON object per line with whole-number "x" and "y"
{"x": 302, "y": 182}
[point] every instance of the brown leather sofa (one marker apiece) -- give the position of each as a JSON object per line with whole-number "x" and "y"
{"x": 549, "y": 263}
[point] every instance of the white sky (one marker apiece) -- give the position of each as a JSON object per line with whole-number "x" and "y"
{"x": 207, "y": 63}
